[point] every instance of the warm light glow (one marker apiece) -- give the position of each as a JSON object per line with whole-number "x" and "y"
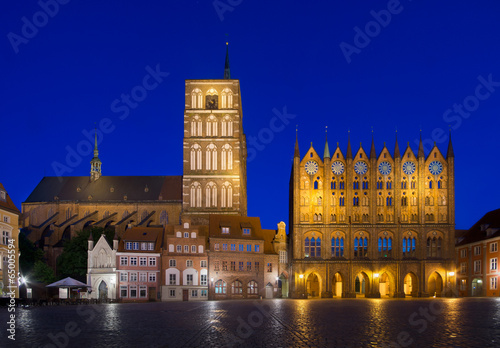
{"x": 451, "y": 274}
{"x": 212, "y": 279}
{"x": 301, "y": 276}
{"x": 277, "y": 278}
{"x": 376, "y": 275}
{"x": 479, "y": 281}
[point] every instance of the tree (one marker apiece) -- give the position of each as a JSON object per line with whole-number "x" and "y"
{"x": 73, "y": 260}
{"x": 43, "y": 273}
{"x": 30, "y": 254}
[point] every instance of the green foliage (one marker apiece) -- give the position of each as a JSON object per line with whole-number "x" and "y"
{"x": 29, "y": 254}
{"x": 73, "y": 260}
{"x": 43, "y": 273}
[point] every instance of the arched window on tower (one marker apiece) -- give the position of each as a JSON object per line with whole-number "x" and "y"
{"x": 389, "y": 185}
{"x": 196, "y": 130}
{"x": 196, "y": 99}
{"x": 227, "y": 126}
{"x": 211, "y": 157}
{"x": 315, "y": 184}
{"x": 226, "y": 195}
{"x": 365, "y": 185}
{"x": 389, "y": 201}
{"x": 404, "y": 201}
{"x": 341, "y": 201}
{"x": 211, "y": 126}
{"x": 341, "y": 185}
{"x": 227, "y": 157}
{"x": 413, "y": 184}
{"x": 430, "y": 184}
{"x": 227, "y": 99}
{"x": 355, "y": 201}
{"x": 307, "y": 247}
{"x": 195, "y": 195}
{"x": 195, "y": 157}
{"x": 385, "y": 247}
{"x": 337, "y": 247}
{"x": 211, "y": 195}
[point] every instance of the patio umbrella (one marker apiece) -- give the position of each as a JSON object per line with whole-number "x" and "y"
{"x": 68, "y": 283}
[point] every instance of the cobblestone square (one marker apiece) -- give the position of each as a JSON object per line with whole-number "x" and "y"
{"x": 263, "y": 323}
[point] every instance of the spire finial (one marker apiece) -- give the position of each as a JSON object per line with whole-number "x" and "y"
{"x": 227, "y": 70}
{"x": 326, "y": 153}
{"x": 296, "y": 152}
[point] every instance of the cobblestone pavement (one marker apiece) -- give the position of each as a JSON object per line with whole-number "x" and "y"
{"x": 266, "y": 323}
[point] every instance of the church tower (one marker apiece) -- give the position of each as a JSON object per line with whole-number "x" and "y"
{"x": 214, "y": 148}
{"x": 95, "y": 163}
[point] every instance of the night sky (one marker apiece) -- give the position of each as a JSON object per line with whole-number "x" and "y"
{"x": 428, "y": 65}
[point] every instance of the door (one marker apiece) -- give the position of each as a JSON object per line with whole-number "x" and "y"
{"x": 269, "y": 291}
{"x": 185, "y": 295}
{"x": 152, "y": 293}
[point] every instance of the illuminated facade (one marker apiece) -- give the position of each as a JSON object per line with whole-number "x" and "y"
{"x": 9, "y": 245}
{"x": 478, "y": 253}
{"x": 376, "y": 224}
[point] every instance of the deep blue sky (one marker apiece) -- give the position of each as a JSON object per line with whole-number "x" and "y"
{"x": 285, "y": 54}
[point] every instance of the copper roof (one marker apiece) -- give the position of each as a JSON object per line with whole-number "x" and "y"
{"x": 108, "y": 188}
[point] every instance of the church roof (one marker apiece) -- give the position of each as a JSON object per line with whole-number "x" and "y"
{"x": 7, "y": 204}
{"x": 108, "y": 188}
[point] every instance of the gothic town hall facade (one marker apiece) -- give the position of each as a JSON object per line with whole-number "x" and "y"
{"x": 378, "y": 224}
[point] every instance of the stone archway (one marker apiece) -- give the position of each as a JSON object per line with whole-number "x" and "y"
{"x": 410, "y": 285}
{"x": 361, "y": 284}
{"x": 283, "y": 284}
{"x": 337, "y": 285}
{"x": 385, "y": 285}
{"x": 435, "y": 284}
{"x": 313, "y": 285}
{"x": 103, "y": 291}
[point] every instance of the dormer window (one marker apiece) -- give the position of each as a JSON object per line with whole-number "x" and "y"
{"x": 136, "y": 245}
{"x": 3, "y": 195}
{"x": 225, "y": 230}
{"x": 128, "y": 246}
{"x": 144, "y": 246}
{"x": 246, "y": 231}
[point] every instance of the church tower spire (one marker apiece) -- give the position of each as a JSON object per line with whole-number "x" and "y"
{"x": 396, "y": 147}
{"x": 95, "y": 163}
{"x": 296, "y": 152}
{"x": 349, "y": 151}
{"x": 326, "y": 154}
{"x": 450, "y": 149}
{"x": 421, "y": 147}
{"x": 373, "y": 153}
{"x": 227, "y": 70}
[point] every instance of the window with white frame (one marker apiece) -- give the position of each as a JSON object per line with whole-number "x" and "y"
{"x": 200, "y": 249}
{"x": 283, "y": 256}
{"x": 186, "y": 248}
{"x": 136, "y": 245}
{"x": 463, "y": 267}
{"x": 216, "y": 246}
{"x": 193, "y": 234}
{"x": 246, "y": 231}
{"x": 152, "y": 261}
{"x": 6, "y": 219}
{"x": 123, "y": 277}
{"x": 257, "y": 248}
{"x": 494, "y": 264}
{"x": 477, "y": 266}
{"x": 151, "y": 246}
{"x": 204, "y": 293}
{"x": 463, "y": 253}
{"x": 172, "y": 278}
{"x": 172, "y": 293}
{"x": 203, "y": 263}
{"x": 186, "y": 234}
{"x": 194, "y": 293}
{"x": 477, "y": 250}
{"x": 193, "y": 249}
{"x": 189, "y": 263}
{"x": 123, "y": 261}
{"x": 123, "y": 291}
{"x": 493, "y": 283}
{"x": 143, "y": 291}
{"x": 128, "y": 246}
{"x": 143, "y": 277}
{"x": 179, "y": 248}
{"x": 144, "y": 246}
{"x": 203, "y": 279}
{"x": 189, "y": 279}
{"x": 494, "y": 247}
{"x": 172, "y": 263}
{"x": 178, "y": 235}
{"x": 133, "y": 277}
{"x": 133, "y": 261}
{"x": 152, "y": 277}
{"x": 225, "y": 230}
{"x": 143, "y": 261}
{"x": 171, "y": 248}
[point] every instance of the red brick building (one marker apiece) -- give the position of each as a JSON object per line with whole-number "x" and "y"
{"x": 138, "y": 264}
{"x": 242, "y": 260}
{"x": 477, "y": 253}
{"x": 185, "y": 263}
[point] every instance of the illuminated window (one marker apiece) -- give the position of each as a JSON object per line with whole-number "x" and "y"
{"x": 236, "y": 287}
{"x": 252, "y": 288}
{"x": 494, "y": 264}
{"x": 493, "y": 283}
{"x": 493, "y": 247}
{"x": 477, "y": 250}
{"x": 338, "y": 247}
{"x": 225, "y": 230}
{"x": 172, "y": 263}
{"x": 477, "y": 266}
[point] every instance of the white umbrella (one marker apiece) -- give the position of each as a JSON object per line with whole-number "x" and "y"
{"x": 68, "y": 283}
